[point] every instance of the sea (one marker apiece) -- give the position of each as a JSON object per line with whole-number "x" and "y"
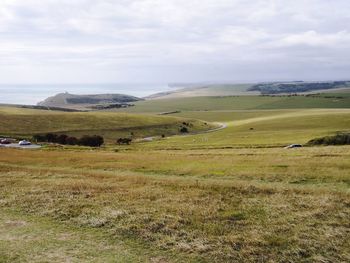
{"x": 31, "y": 94}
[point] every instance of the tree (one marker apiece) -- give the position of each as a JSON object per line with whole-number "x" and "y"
{"x": 72, "y": 141}
{"x": 50, "y": 137}
{"x": 92, "y": 141}
{"x": 62, "y": 139}
{"x": 184, "y": 130}
{"x": 39, "y": 138}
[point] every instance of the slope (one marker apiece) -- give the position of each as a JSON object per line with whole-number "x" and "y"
{"x": 26, "y": 122}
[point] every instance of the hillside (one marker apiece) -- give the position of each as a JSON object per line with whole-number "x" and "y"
{"x": 298, "y": 87}
{"x": 67, "y": 100}
{"x": 215, "y": 103}
{"x": 21, "y": 122}
{"x": 204, "y": 90}
{"x": 275, "y": 128}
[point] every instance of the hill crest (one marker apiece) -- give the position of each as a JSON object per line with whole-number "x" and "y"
{"x": 67, "y": 100}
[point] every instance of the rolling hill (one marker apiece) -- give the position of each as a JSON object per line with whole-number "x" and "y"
{"x": 267, "y": 128}
{"x": 206, "y": 90}
{"x": 21, "y": 122}
{"x": 268, "y": 88}
{"x": 88, "y": 102}
{"x": 210, "y": 103}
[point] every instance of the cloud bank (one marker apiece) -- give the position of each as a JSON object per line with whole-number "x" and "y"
{"x": 64, "y": 41}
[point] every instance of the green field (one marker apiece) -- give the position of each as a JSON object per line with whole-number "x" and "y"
{"x": 230, "y": 195}
{"x": 26, "y": 122}
{"x": 239, "y": 103}
{"x": 207, "y": 90}
{"x": 30, "y": 238}
{"x": 229, "y": 205}
{"x": 261, "y": 128}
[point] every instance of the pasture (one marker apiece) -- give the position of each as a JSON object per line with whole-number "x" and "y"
{"x": 228, "y": 205}
{"x": 27, "y": 122}
{"x": 240, "y": 103}
{"x": 232, "y": 195}
{"x": 273, "y": 128}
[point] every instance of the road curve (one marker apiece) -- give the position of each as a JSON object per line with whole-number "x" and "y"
{"x": 222, "y": 126}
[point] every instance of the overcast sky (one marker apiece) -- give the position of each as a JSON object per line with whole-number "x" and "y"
{"x": 92, "y": 41}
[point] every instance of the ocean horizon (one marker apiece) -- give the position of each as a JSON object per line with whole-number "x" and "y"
{"x": 31, "y": 94}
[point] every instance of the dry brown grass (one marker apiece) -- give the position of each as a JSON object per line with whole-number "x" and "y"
{"x": 216, "y": 206}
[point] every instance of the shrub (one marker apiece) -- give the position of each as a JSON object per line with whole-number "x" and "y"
{"x": 50, "y": 137}
{"x": 339, "y": 139}
{"x": 72, "y": 141}
{"x": 39, "y": 138}
{"x": 124, "y": 141}
{"x": 62, "y": 139}
{"x": 184, "y": 130}
{"x": 92, "y": 141}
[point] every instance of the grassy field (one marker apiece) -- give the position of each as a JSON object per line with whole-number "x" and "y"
{"x": 209, "y": 90}
{"x": 230, "y": 115}
{"x": 228, "y": 90}
{"x": 26, "y": 122}
{"x": 240, "y": 103}
{"x": 232, "y": 195}
{"x": 273, "y": 128}
{"x": 30, "y": 238}
{"x": 233, "y": 205}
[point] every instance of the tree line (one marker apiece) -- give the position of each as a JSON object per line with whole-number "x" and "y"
{"x": 86, "y": 140}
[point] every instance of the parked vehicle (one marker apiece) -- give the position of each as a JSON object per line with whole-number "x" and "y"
{"x": 24, "y": 143}
{"x": 5, "y": 141}
{"x": 293, "y": 146}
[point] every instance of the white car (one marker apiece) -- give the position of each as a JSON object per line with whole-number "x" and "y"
{"x": 293, "y": 146}
{"x": 24, "y": 143}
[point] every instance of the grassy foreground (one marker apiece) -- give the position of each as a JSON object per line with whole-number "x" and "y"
{"x": 29, "y": 238}
{"x": 228, "y": 205}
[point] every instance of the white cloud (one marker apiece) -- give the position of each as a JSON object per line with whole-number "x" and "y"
{"x": 157, "y": 36}
{"x": 241, "y": 35}
{"x": 313, "y": 38}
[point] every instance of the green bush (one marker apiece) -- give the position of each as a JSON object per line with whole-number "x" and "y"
{"x": 86, "y": 140}
{"x": 339, "y": 139}
{"x": 184, "y": 130}
{"x": 92, "y": 141}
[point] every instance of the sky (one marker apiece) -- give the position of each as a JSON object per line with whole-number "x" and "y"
{"x": 107, "y": 41}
